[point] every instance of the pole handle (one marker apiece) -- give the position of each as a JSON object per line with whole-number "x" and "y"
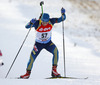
{"x": 41, "y": 4}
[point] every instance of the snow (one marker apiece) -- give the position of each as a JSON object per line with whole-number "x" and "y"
{"x": 81, "y": 42}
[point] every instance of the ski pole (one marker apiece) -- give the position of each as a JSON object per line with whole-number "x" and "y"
{"x": 41, "y": 4}
{"x": 63, "y": 45}
{"x": 18, "y": 52}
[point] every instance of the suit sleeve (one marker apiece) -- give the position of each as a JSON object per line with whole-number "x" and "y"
{"x": 28, "y": 25}
{"x": 62, "y": 18}
{"x": 58, "y": 20}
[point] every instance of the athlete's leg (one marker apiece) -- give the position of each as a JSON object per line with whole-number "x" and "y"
{"x": 51, "y": 47}
{"x": 36, "y": 50}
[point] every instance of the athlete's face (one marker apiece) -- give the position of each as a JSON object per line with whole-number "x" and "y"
{"x": 44, "y": 23}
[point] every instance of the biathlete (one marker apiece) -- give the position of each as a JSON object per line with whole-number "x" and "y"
{"x": 1, "y": 61}
{"x": 43, "y": 29}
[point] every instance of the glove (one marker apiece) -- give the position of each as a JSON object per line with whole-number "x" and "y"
{"x": 62, "y": 11}
{"x": 33, "y": 21}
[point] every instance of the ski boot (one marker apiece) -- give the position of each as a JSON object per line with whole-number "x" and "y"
{"x": 55, "y": 74}
{"x": 26, "y": 76}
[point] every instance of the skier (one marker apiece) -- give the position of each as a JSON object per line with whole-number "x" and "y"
{"x": 1, "y": 62}
{"x": 43, "y": 28}
{"x": 0, "y": 53}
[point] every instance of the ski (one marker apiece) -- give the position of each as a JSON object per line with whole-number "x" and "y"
{"x": 57, "y": 78}
{"x": 16, "y": 78}
{"x": 66, "y": 78}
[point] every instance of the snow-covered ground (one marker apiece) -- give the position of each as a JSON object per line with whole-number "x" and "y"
{"x": 81, "y": 41}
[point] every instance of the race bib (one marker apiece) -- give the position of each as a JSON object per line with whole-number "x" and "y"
{"x": 44, "y": 36}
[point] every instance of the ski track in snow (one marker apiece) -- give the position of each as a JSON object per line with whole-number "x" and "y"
{"x": 82, "y": 51}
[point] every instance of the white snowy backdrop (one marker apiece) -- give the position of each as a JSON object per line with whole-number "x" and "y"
{"x": 82, "y": 40}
